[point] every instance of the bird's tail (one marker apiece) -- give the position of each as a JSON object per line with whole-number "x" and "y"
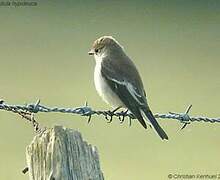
{"x": 149, "y": 115}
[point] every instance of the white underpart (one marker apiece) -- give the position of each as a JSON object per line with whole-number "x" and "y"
{"x": 103, "y": 88}
{"x": 106, "y": 92}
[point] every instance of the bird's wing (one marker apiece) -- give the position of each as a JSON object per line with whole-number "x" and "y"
{"x": 129, "y": 88}
{"x": 126, "y": 87}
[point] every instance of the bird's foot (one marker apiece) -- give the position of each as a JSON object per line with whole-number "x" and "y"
{"x": 110, "y": 114}
{"x": 122, "y": 116}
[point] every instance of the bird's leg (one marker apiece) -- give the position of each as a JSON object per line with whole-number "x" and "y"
{"x": 119, "y": 107}
{"x": 111, "y": 114}
{"x": 122, "y": 118}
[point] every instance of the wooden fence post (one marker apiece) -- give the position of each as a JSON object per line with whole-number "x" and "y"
{"x": 61, "y": 154}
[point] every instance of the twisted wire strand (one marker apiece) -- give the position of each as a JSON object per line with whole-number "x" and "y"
{"x": 27, "y": 111}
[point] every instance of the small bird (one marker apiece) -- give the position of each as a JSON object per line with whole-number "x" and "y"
{"x": 118, "y": 82}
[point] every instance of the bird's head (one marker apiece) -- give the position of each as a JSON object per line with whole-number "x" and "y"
{"x": 104, "y": 46}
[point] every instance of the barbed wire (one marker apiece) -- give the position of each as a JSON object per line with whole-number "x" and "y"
{"x": 28, "y": 111}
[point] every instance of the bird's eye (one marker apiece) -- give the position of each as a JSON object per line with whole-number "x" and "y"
{"x": 96, "y": 50}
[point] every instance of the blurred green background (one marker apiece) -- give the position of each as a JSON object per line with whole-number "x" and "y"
{"x": 176, "y": 47}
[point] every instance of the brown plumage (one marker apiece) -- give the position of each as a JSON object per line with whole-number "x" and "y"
{"x": 118, "y": 82}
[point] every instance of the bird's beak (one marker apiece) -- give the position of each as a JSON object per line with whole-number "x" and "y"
{"x": 91, "y": 52}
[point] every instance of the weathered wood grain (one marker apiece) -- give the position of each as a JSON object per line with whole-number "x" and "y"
{"x": 61, "y": 154}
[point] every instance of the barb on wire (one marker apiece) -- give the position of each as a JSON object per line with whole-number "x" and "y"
{"x": 28, "y": 111}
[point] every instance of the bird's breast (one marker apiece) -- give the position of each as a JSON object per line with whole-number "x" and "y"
{"x": 104, "y": 89}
